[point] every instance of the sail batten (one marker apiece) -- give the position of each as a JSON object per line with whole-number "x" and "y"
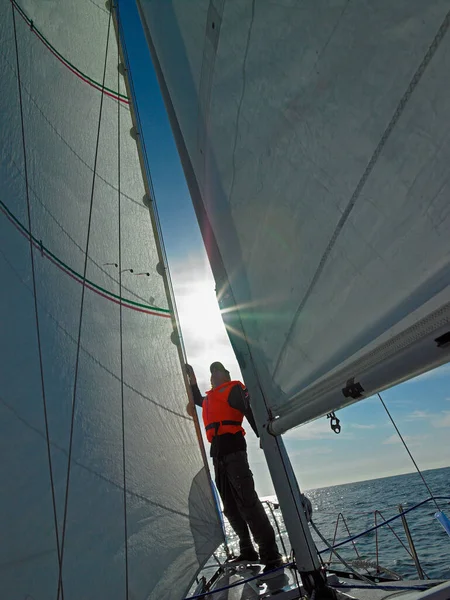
{"x": 315, "y": 141}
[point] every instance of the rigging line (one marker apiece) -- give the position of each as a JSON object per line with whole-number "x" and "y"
{"x": 115, "y": 6}
{"x": 88, "y": 354}
{"x": 83, "y": 291}
{"x": 365, "y": 176}
{"x": 83, "y": 76}
{"x": 409, "y": 452}
{"x": 131, "y": 304}
{"x": 36, "y": 310}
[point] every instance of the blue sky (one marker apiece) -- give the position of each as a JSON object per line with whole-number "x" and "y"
{"x": 368, "y": 446}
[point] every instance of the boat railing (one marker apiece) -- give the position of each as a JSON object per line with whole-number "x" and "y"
{"x": 360, "y": 562}
{"x": 351, "y": 539}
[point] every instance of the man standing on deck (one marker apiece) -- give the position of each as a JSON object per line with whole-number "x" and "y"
{"x": 224, "y": 408}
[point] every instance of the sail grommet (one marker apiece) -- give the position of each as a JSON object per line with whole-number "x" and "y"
{"x": 147, "y": 200}
{"x": 121, "y": 68}
{"x": 175, "y": 338}
{"x": 108, "y": 5}
{"x": 134, "y": 133}
{"x": 160, "y": 269}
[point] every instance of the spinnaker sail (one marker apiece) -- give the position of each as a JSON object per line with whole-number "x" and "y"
{"x": 105, "y": 492}
{"x": 315, "y": 142}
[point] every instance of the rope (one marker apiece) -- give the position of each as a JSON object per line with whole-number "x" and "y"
{"x": 125, "y": 518}
{"x": 238, "y": 583}
{"x": 408, "y": 451}
{"x": 36, "y": 311}
{"x": 83, "y": 290}
{"x": 95, "y": 84}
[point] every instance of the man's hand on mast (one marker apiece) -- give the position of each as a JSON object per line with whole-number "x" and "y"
{"x": 191, "y": 375}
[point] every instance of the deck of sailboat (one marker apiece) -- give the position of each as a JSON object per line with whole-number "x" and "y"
{"x": 285, "y": 586}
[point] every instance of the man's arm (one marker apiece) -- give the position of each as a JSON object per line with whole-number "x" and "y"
{"x": 198, "y": 398}
{"x": 240, "y": 399}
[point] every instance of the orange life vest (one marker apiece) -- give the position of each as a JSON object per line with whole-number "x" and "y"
{"x": 218, "y": 416}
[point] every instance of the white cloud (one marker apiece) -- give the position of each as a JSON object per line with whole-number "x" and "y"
{"x": 310, "y": 451}
{"x": 361, "y": 426}
{"x": 442, "y": 420}
{"x": 419, "y": 414}
{"x": 409, "y": 439}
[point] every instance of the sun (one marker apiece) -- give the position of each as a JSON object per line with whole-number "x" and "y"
{"x": 199, "y": 311}
{"x": 203, "y": 331}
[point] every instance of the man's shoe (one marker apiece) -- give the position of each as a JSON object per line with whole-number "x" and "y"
{"x": 249, "y": 556}
{"x": 273, "y": 565}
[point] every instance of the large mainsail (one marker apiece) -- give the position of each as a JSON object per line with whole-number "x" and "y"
{"x": 315, "y": 141}
{"x": 63, "y": 522}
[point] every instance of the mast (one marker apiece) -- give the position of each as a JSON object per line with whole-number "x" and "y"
{"x": 283, "y": 477}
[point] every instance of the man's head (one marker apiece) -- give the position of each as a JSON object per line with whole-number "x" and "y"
{"x": 219, "y": 374}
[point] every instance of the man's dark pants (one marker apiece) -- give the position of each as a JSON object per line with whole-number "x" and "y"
{"x": 242, "y": 506}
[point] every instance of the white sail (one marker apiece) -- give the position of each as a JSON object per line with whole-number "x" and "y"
{"x": 70, "y": 129}
{"x": 315, "y": 141}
